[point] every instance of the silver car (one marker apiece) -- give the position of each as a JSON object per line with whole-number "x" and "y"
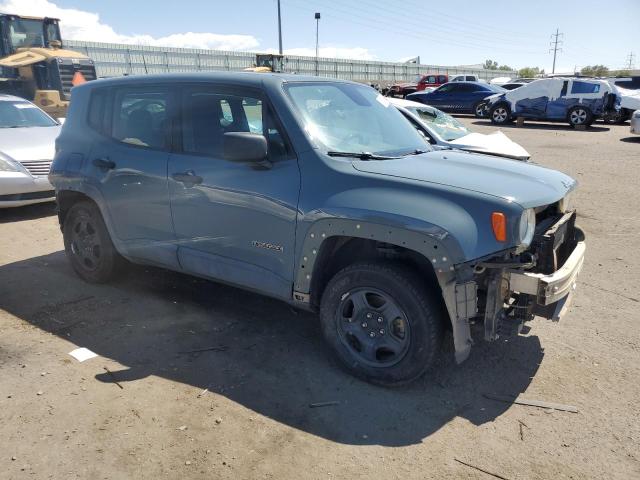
{"x": 27, "y": 145}
{"x": 635, "y": 122}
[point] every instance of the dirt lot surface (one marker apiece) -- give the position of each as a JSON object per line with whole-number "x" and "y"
{"x": 242, "y": 411}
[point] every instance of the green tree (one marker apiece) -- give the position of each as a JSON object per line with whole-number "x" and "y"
{"x": 595, "y": 71}
{"x": 506, "y": 68}
{"x": 490, "y": 65}
{"x": 621, "y": 73}
{"x": 529, "y": 72}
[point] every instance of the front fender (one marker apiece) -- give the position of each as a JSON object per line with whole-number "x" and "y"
{"x": 435, "y": 245}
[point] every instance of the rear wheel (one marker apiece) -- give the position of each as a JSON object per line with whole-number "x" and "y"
{"x": 500, "y": 114}
{"x": 382, "y": 322}
{"x": 88, "y": 245}
{"x": 480, "y": 109}
{"x": 579, "y": 116}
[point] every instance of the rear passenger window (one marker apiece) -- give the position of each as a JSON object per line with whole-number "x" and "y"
{"x": 207, "y": 116}
{"x": 97, "y": 110}
{"x": 584, "y": 87}
{"x": 141, "y": 118}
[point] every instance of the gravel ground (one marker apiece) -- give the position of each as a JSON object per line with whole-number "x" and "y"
{"x": 242, "y": 410}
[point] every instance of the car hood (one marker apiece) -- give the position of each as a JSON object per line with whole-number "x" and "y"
{"x": 29, "y": 143}
{"x": 527, "y": 184}
{"x": 496, "y": 143}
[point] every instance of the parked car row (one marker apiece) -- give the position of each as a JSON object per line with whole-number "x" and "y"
{"x": 578, "y": 101}
{"x": 426, "y": 83}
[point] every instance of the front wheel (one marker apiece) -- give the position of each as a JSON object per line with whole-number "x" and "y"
{"x": 500, "y": 114}
{"x": 382, "y": 322}
{"x": 579, "y": 116}
{"x": 88, "y": 245}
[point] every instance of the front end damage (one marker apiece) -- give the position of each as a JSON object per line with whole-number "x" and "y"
{"x": 508, "y": 289}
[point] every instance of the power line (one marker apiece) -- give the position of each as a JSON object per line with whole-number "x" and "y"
{"x": 347, "y": 16}
{"x": 556, "y": 47}
{"x": 462, "y": 33}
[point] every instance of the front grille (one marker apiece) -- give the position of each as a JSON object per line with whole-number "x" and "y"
{"x": 68, "y": 70}
{"x": 37, "y": 168}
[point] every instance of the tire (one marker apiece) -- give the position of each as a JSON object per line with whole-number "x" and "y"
{"x": 500, "y": 114}
{"x": 480, "y": 110}
{"x": 88, "y": 245}
{"x": 382, "y": 322}
{"x": 579, "y": 115}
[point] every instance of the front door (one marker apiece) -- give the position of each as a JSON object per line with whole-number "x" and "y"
{"x": 130, "y": 162}
{"x": 234, "y": 221}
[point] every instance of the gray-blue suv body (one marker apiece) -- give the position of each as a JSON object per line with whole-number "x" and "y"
{"x": 320, "y": 193}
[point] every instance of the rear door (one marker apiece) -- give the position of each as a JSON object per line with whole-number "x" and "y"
{"x": 441, "y": 96}
{"x": 234, "y": 221}
{"x": 554, "y": 107}
{"x": 128, "y": 162}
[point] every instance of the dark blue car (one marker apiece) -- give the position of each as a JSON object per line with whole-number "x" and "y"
{"x": 458, "y": 97}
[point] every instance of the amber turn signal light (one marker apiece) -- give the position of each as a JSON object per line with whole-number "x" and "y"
{"x": 499, "y": 225}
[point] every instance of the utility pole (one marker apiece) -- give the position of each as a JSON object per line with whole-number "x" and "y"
{"x": 279, "y": 30}
{"x": 630, "y": 63}
{"x": 317, "y": 17}
{"x": 555, "y": 48}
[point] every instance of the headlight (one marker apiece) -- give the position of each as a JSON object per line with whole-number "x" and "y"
{"x": 636, "y": 114}
{"x": 527, "y": 227}
{"x": 7, "y": 164}
{"x": 566, "y": 204}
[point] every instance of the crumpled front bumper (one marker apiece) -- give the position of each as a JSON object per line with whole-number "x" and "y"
{"x": 548, "y": 289}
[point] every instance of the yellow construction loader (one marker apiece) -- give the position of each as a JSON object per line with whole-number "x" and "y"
{"x": 34, "y": 64}
{"x": 268, "y": 62}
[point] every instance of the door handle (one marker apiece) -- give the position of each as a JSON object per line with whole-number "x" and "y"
{"x": 104, "y": 163}
{"x": 188, "y": 177}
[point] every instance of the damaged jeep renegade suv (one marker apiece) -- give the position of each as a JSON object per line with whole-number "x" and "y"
{"x": 320, "y": 193}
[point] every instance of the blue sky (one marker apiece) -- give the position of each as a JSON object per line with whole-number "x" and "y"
{"x": 440, "y": 32}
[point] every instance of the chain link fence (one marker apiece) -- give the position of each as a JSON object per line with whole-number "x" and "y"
{"x": 114, "y": 60}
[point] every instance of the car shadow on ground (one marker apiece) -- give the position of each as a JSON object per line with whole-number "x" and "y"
{"x": 635, "y": 139}
{"x": 29, "y": 212}
{"x": 541, "y": 126}
{"x": 265, "y": 355}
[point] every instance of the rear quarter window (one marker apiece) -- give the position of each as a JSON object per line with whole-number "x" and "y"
{"x": 97, "y": 110}
{"x": 585, "y": 87}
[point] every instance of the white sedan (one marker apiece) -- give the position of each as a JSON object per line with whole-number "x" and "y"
{"x": 445, "y": 131}
{"x": 27, "y": 145}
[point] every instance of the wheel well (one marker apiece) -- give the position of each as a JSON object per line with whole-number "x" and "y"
{"x": 67, "y": 199}
{"x": 338, "y": 252}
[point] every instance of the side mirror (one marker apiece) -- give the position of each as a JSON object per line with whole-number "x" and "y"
{"x": 244, "y": 147}
{"x": 61, "y": 120}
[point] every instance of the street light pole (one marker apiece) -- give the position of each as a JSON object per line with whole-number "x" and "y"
{"x": 279, "y": 30}
{"x": 317, "y": 17}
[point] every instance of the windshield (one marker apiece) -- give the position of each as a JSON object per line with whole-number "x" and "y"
{"x": 15, "y": 114}
{"x": 353, "y": 118}
{"x": 496, "y": 88}
{"x": 26, "y": 33}
{"x": 444, "y": 125}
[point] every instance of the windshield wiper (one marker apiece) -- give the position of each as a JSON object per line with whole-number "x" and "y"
{"x": 360, "y": 155}
{"x": 417, "y": 151}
